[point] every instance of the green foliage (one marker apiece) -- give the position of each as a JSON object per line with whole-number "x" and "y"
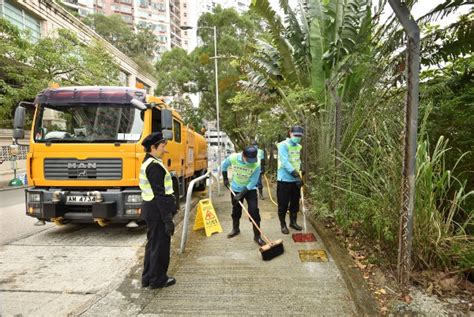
{"x": 191, "y": 115}
{"x": 345, "y": 63}
{"x": 235, "y": 38}
{"x": 139, "y": 45}
{"x": 175, "y": 71}
{"x": 450, "y": 94}
{"x": 26, "y": 67}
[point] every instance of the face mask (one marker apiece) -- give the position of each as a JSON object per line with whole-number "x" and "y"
{"x": 296, "y": 139}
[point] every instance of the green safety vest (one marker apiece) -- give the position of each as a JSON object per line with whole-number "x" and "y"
{"x": 294, "y": 156}
{"x": 241, "y": 171}
{"x": 147, "y": 191}
{"x": 260, "y": 155}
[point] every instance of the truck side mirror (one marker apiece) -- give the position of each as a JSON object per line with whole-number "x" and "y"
{"x": 167, "y": 134}
{"x": 19, "y": 123}
{"x": 166, "y": 119}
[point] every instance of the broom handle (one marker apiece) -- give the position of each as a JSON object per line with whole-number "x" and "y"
{"x": 251, "y": 219}
{"x": 302, "y": 197}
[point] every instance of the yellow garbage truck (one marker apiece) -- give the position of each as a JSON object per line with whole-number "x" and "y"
{"x": 85, "y": 152}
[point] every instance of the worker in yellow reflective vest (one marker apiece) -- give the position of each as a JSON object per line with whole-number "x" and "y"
{"x": 158, "y": 209}
{"x": 289, "y": 181}
{"x": 245, "y": 172}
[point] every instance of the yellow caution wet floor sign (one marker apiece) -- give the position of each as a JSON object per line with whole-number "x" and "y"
{"x": 206, "y": 218}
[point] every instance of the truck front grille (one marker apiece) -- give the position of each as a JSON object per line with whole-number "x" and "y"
{"x": 95, "y": 168}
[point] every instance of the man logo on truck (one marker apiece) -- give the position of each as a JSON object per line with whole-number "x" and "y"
{"x": 76, "y": 165}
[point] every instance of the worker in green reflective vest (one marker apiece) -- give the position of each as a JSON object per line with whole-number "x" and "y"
{"x": 289, "y": 181}
{"x": 158, "y": 209}
{"x": 261, "y": 159}
{"x": 245, "y": 172}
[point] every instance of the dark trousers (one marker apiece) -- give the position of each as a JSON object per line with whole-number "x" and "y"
{"x": 157, "y": 254}
{"x": 288, "y": 197}
{"x": 252, "y": 207}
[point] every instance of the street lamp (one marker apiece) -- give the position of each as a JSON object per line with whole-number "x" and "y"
{"x": 187, "y": 27}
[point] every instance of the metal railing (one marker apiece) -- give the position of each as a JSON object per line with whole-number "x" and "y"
{"x": 184, "y": 235}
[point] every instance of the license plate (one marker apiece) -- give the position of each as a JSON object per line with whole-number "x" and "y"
{"x": 80, "y": 199}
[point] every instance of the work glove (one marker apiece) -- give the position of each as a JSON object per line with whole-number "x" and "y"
{"x": 169, "y": 228}
{"x": 241, "y": 195}
{"x": 295, "y": 174}
{"x": 226, "y": 179}
{"x": 299, "y": 182}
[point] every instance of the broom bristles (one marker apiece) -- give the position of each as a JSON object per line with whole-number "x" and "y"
{"x": 272, "y": 250}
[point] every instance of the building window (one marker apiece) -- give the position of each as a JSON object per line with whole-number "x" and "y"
{"x": 21, "y": 19}
{"x": 127, "y": 18}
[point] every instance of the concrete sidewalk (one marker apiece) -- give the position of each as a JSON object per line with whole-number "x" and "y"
{"x": 220, "y": 276}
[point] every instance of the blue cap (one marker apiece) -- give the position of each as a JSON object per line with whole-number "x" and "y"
{"x": 250, "y": 153}
{"x": 297, "y": 130}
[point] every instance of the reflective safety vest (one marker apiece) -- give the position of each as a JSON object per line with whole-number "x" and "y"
{"x": 241, "y": 171}
{"x": 260, "y": 155}
{"x": 147, "y": 191}
{"x": 294, "y": 156}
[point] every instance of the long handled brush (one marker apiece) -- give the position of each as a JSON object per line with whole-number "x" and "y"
{"x": 303, "y": 236}
{"x": 271, "y": 249}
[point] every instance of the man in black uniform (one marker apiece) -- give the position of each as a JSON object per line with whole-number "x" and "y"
{"x": 158, "y": 209}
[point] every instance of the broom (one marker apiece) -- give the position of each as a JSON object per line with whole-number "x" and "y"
{"x": 304, "y": 236}
{"x": 271, "y": 249}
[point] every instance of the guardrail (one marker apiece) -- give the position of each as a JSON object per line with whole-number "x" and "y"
{"x": 184, "y": 235}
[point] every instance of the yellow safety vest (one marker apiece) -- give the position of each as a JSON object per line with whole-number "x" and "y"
{"x": 294, "y": 154}
{"x": 241, "y": 172}
{"x": 144, "y": 183}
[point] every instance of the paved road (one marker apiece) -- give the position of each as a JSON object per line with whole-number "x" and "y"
{"x": 53, "y": 271}
{"x": 217, "y": 276}
{"x": 15, "y": 224}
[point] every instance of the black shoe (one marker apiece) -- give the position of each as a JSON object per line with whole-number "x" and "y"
{"x": 145, "y": 285}
{"x": 295, "y": 226}
{"x": 259, "y": 241}
{"x": 233, "y": 233}
{"x": 284, "y": 230}
{"x": 169, "y": 282}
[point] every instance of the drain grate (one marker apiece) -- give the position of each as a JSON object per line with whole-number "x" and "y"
{"x": 303, "y": 237}
{"x": 313, "y": 256}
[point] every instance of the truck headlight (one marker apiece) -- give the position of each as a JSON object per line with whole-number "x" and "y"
{"x": 134, "y": 199}
{"x": 34, "y": 197}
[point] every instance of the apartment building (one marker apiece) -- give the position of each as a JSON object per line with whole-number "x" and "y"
{"x": 165, "y": 17}
{"x": 157, "y": 15}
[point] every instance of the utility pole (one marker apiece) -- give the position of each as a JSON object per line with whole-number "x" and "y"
{"x": 409, "y": 142}
{"x": 217, "y": 108}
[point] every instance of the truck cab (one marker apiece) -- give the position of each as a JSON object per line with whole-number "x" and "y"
{"x": 85, "y": 152}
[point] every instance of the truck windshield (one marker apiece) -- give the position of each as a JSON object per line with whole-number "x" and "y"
{"x": 88, "y": 123}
